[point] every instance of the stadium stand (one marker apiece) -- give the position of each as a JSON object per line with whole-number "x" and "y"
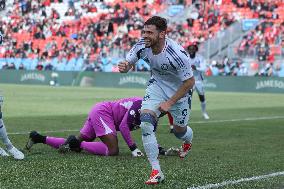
{"x": 94, "y": 35}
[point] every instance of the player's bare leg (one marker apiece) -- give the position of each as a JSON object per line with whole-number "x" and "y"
{"x": 112, "y": 144}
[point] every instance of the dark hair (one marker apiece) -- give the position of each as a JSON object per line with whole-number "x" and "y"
{"x": 193, "y": 45}
{"x": 159, "y": 22}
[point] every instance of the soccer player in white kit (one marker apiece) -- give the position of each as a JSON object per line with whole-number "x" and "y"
{"x": 167, "y": 90}
{"x": 4, "y": 138}
{"x": 198, "y": 66}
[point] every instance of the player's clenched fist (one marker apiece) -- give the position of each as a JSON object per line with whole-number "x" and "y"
{"x": 124, "y": 66}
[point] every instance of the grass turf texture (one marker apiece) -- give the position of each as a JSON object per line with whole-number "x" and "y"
{"x": 221, "y": 151}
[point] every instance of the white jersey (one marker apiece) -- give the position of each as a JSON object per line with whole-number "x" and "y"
{"x": 169, "y": 68}
{"x": 200, "y": 64}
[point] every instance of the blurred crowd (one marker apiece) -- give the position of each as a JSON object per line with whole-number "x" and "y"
{"x": 95, "y": 35}
{"x": 266, "y": 41}
{"x": 238, "y": 67}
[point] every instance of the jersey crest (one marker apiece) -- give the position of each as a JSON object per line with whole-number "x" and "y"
{"x": 127, "y": 104}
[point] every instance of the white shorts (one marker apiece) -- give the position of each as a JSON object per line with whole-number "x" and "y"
{"x": 155, "y": 96}
{"x": 199, "y": 87}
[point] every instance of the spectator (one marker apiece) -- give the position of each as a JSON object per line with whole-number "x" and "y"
{"x": 54, "y": 14}
{"x": 5, "y": 66}
{"x": 214, "y": 69}
{"x": 21, "y": 66}
{"x": 39, "y": 66}
{"x": 267, "y": 70}
{"x": 279, "y": 70}
{"x": 243, "y": 71}
{"x": 48, "y": 66}
{"x": 11, "y": 66}
{"x": 142, "y": 68}
{"x": 2, "y": 4}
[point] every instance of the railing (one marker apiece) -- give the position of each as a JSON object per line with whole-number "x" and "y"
{"x": 221, "y": 41}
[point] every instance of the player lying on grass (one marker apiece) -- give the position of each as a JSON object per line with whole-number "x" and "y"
{"x": 103, "y": 121}
{"x": 5, "y": 139}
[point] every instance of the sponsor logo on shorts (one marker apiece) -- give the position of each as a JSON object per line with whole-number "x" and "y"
{"x": 146, "y": 97}
{"x": 146, "y": 134}
{"x": 184, "y": 112}
{"x": 164, "y": 67}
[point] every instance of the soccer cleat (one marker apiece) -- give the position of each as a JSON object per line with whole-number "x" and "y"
{"x": 34, "y": 138}
{"x": 156, "y": 177}
{"x": 171, "y": 129}
{"x": 3, "y": 152}
{"x": 71, "y": 144}
{"x": 205, "y": 115}
{"x": 162, "y": 151}
{"x": 184, "y": 150}
{"x": 172, "y": 152}
{"x": 64, "y": 148}
{"x": 17, "y": 154}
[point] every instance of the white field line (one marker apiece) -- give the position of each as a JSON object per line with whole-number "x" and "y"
{"x": 232, "y": 182}
{"x": 241, "y": 119}
{"x": 193, "y": 122}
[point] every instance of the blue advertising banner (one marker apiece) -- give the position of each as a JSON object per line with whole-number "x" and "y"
{"x": 248, "y": 24}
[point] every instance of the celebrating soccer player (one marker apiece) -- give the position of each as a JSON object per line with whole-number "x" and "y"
{"x": 4, "y": 137}
{"x": 167, "y": 90}
{"x": 103, "y": 121}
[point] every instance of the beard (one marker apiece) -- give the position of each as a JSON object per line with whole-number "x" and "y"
{"x": 148, "y": 45}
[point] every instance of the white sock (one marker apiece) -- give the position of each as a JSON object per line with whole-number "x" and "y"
{"x": 151, "y": 146}
{"x": 203, "y": 107}
{"x": 4, "y": 137}
{"x": 187, "y": 137}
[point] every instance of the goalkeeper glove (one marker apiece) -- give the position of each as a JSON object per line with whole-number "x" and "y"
{"x": 137, "y": 153}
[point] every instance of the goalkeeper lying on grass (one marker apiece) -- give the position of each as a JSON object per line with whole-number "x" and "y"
{"x": 103, "y": 121}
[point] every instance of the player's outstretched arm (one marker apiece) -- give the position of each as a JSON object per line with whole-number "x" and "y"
{"x": 126, "y": 135}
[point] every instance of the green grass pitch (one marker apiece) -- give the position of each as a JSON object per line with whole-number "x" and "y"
{"x": 243, "y": 138}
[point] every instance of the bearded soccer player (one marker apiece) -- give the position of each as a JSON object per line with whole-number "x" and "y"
{"x": 103, "y": 121}
{"x": 167, "y": 90}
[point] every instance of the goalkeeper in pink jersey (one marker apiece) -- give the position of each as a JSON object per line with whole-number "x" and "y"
{"x": 103, "y": 121}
